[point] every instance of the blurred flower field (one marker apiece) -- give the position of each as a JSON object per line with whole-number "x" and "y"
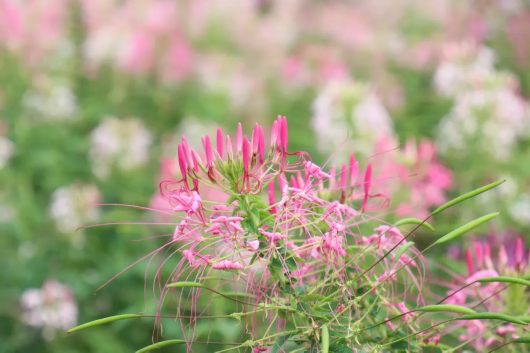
{"x": 96, "y": 94}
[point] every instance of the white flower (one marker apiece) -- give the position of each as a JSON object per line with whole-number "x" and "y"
{"x": 57, "y": 102}
{"x": 120, "y": 142}
{"x": 74, "y": 206}
{"x": 51, "y": 308}
{"x": 352, "y": 107}
{"x": 6, "y": 151}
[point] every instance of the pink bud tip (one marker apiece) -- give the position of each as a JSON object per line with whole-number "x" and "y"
{"x": 487, "y": 257}
{"x": 274, "y": 134}
{"x": 343, "y": 177}
{"x": 519, "y": 252}
{"x": 367, "y": 186}
{"x": 294, "y": 184}
{"x": 208, "y": 150}
{"x": 261, "y": 145}
{"x": 239, "y": 138}
{"x": 469, "y": 260}
{"x": 354, "y": 167}
{"x": 229, "y": 146}
{"x": 196, "y": 159}
{"x": 282, "y": 181}
{"x": 503, "y": 257}
{"x": 187, "y": 153}
{"x": 255, "y": 139}
{"x": 246, "y": 153}
{"x": 182, "y": 161}
{"x": 220, "y": 142}
{"x": 284, "y": 134}
{"x": 478, "y": 254}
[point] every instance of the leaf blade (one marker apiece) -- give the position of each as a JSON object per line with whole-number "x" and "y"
{"x": 103, "y": 321}
{"x": 466, "y": 228}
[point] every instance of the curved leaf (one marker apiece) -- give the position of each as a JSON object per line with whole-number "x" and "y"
{"x": 466, "y": 228}
{"x": 447, "y": 308}
{"x": 185, "y": 285}
{"x": 160, "y": 345}
{"x": 492, "y": 316}
{"x": 402, "y": 250}
{"x": 505, "y": 279}
{"x": 413, "y": 221}
{"x": 467, "y": 196}
{"x": 103, "y": 321}
{"x": 522, "y": 339}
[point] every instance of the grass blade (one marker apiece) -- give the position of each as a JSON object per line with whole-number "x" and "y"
{"x": 103, "y": 321}
{"x": 466, "y": 228}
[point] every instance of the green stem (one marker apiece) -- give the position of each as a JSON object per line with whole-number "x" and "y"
{"x": 325, "y": 339}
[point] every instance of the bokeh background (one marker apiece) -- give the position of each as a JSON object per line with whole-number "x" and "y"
{"x": 94, "y": 95}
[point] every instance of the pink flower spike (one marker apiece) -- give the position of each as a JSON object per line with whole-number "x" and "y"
{"x": 487, "y": 257}
{"x": 261, "y": 145}
{"x": 246, "y": 153}
{"x": 367, "y": 186}
{"x": 503, "y": 257}
{"x": 239, "y": 138}
{"x": 469, "y": 260}
{"x": 208, "y": 151}
{"x": 255, "y": 139}
{"x": 354, "y": 168}
{"x": 285, "y": 134}
{"x": 519, "y": 252}
{"x": 282, "y": 181}
{"x": 220, "y": 142}
{"x": 187, "y": 152}
{"x": 478, "y": 254}
{"x": 196, "y": 159}
{"x": 182, "y": 162}
{"x": 294, "y": 184}
{"x": 227, "y": 265}
{"x": 343, "y": 182}
{"x": 274, "y": 134}
{"x": 229, "y": 151}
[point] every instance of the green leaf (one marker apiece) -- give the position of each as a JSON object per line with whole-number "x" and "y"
{"x": 340, "y": 348}
{"x": 414, "y": 221}
{"x": 280, "y": 341}
{"x": 103, "y": 321}
{"x": 289, "y": 263}
{"x": 185, "y": 285}
{"x": 160, "y": 345}
{"x": 232, "y": 199}
{"x": 402, "y": 250}
{"x": 466, "y": 228}
{"x": 317, "y": 298}
{"x": 522, "y": 339}
{"x": 492, "y": 316}
{"x": 467, "y": 196}
{"x": 447, "y": 308}
{"x": 505, "y": 279}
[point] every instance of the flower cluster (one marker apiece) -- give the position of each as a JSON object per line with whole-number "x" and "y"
{"x": 299, "y": 262}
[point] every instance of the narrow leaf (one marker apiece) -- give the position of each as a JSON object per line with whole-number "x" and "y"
{"x": 522, "y": 339}
{"x": 447, "y": 308}
{"x": 185, "y": 285}
{"x": 103, "y": 321}
{"x": 413, "y": 221}
{"x": 466, "y": 228}
{"x": 160, "y": 345}
{"x": 317, "y": 298}
{"x": 505, "y": 279}
{"x": 467, "y": 196}
{"x": 402, "y": 250}
{"x": 492, "y": 316}
{"x": 280, "y": 341}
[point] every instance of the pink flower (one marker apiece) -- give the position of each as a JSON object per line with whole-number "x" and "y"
{"x": 481, "y": 274}
{"x": 401, "y": 306}
{"x": 273, "y": 237}
{"x": 227, "y": 265}
{"x": 189, "y": 204}
{"x": 389, "y": 324}
{"x": 253, "y": 244}
{"x": 190, "y": 255}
